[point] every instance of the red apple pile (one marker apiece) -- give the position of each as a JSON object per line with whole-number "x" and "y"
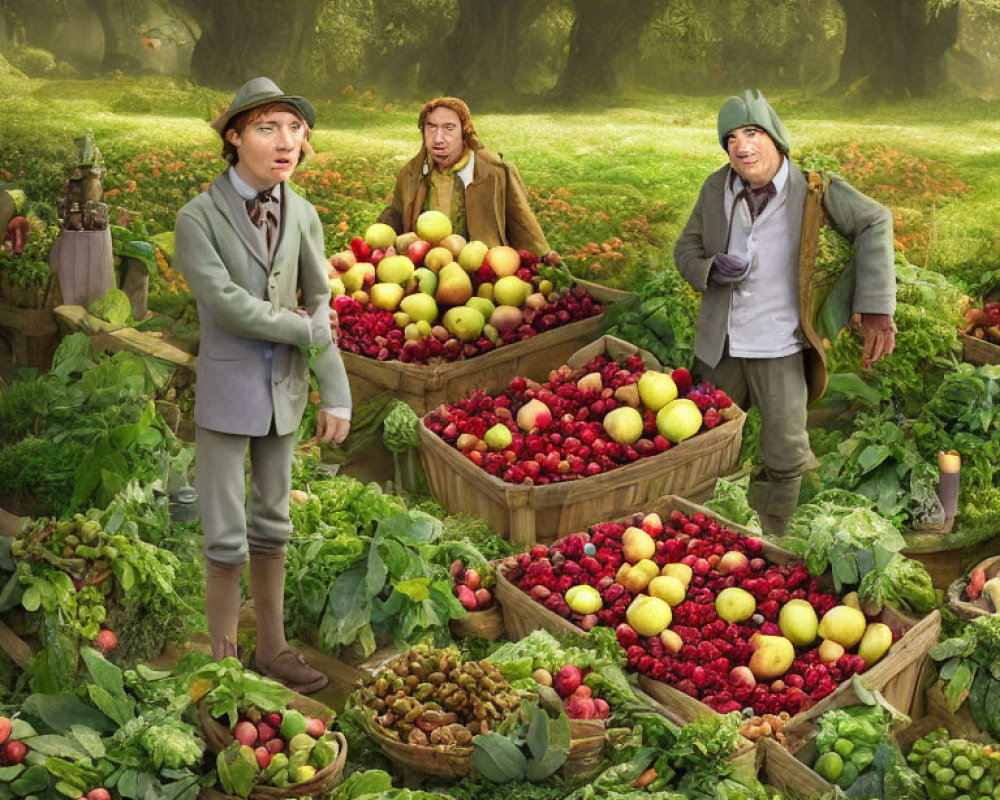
{"x": 552, "y": 432}
{"x": 467, "y": 586}
{"x": 12, "y": 751}
{"x": 577, "y": 697}
{"x": 270, "y": 734}
{"x": 700, "y": 653}
{"x": 372, "y": 332}
{"x": 983, "y": 323}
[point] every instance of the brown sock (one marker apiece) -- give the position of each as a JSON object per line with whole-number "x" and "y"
{"x": 222, "y": 607}
{"x": 267, "y": 586}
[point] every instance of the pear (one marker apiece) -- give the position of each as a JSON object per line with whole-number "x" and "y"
{"x": 420, "y": 307}
{"x": 772, "y": 658}
{"x": 798, "y": 622}
{"x": 354, "y": 278}
{"x": 427, "y": 280}
{"x": 648, "y": 616}
{"x": 404, "y": 240}
{"x": 734, "y": 604}
{"x": 386, "y": 296}
{"x": 471, "y": 257}
{"x": 454, "y": 286}
{"x": 394, "y": 269}
{"x": 465, "y": 322}
{"x": 511, "y": 291}
{"x": 637, "y": 545}
{"x": 844, "y": 625}
{"x": 875, "y": 643}
{"x": 482, "y": 305}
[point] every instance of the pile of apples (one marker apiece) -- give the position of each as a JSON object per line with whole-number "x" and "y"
{"x": 580, "y": 422}
{"x": 983, "y": 323}
{"x": 577, "y": 697}
{"x": 432, "y": 295}
{"x": 286, "y": 747}
{"x": 467, "y": 586}
{"x": 698, "y": 606}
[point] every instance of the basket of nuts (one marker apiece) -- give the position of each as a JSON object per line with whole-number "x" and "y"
{"x": 424, "y": 707}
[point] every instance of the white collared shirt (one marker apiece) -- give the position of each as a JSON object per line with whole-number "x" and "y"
{"x": 764, "y": 314}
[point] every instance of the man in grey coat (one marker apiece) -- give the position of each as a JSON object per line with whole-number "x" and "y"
{"x": 252, "y": 252}
{"x": 749, "y": 247}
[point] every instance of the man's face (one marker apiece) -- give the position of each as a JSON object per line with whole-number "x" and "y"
{"x": 443, "y": 137}
{"x": 268, "y": 148}
{"x": 753, "y": 155}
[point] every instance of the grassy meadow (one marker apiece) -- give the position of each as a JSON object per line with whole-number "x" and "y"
{"x": 611, "y": 185}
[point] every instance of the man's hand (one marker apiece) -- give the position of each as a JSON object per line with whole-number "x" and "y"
{"x": 330, "y": 428}
{"x": 553, "y": 259}
{"x": 322, "y": 326}
{"x": 878, "y": 333}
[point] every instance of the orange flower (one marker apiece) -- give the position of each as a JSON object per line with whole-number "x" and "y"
{"x": 112, "y": 192}
{"x": 130, "y": 186}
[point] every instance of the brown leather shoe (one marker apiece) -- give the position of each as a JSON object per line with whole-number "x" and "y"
{"x": 291, "y": 669}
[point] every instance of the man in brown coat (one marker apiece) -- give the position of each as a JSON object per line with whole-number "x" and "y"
{"x": 483, "y": 196}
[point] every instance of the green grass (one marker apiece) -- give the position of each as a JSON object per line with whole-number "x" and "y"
{"x": 596, "y": 173}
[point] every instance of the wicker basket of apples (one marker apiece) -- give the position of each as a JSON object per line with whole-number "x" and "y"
{"x": 607, "y": 432}
{"x": 714, "y": 619}
{"x": 268, "y": 756}
{"x": 410, "y": 306}
{"x": 484, "y": 618}
{"x": 424, "y": 707}
{"x": 981, "y": 334}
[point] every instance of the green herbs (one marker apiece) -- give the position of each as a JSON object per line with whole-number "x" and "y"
{"x": 970, "y": 670}
{"x": 659, "y": 317}
{"x": 900, "y": 582}
{"x": 882, "y": 461}
{"x": 529, "y": 745}
{"x": 839, "y": 532}
{"x": 393, "y": 590}
{"x": 227, "y": 688}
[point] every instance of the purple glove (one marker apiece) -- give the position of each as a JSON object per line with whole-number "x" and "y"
{"x": 727, "y": 268}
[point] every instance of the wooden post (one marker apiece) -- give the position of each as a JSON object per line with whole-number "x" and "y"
{"x": 84, "y": 262}
{"x": 136, "y": 287}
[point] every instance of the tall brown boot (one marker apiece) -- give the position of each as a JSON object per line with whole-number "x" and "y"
{"x": 222, "y": 607}
{"x": 274, "y": 657}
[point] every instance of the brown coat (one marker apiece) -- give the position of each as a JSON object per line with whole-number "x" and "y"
{"x": 496, "y": 203}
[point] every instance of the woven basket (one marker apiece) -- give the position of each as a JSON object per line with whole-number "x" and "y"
{"x": 958, "y": 600}
{"x": 445, "y": 761}
{"x": 978, "y": 351}
{"x": 319, "y": 784}
{"x": 525, "y": 513}
{"x": 218, "y": 737}
{"x": 486, "y": 624}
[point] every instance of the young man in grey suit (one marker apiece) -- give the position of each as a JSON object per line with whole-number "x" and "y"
{"x": 247, "y": 247}
{"x": 746, "y": 248}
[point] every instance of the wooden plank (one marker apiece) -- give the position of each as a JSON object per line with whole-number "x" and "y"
{"x": 105, "y": 336}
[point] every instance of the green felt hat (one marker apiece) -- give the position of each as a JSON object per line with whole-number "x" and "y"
{"x": 738, "y": 112}
{"x": 259, "y": 92}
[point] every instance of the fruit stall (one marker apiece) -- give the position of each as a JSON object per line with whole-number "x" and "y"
{"x": 568, "y": 598}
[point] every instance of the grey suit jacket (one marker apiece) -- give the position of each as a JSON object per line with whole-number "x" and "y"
{"x": 250, "y": 368}
{"x": 858, "y": 218}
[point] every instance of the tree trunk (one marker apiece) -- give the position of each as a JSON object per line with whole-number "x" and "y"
{"x": 115, "y": 56}
{"x": 481, "y": 56}
{"x": 894, "y": 47}
{"x": 603, "y": 44}
{"x": 244, "y": 40}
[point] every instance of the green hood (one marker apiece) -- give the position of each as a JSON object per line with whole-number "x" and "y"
{"x": 737, "y": 112}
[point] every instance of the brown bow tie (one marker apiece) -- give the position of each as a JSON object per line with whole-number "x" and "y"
{"x": 757, "y": 199}
{"x": 259, "y": 210}
{"x": 255, "y": 207}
